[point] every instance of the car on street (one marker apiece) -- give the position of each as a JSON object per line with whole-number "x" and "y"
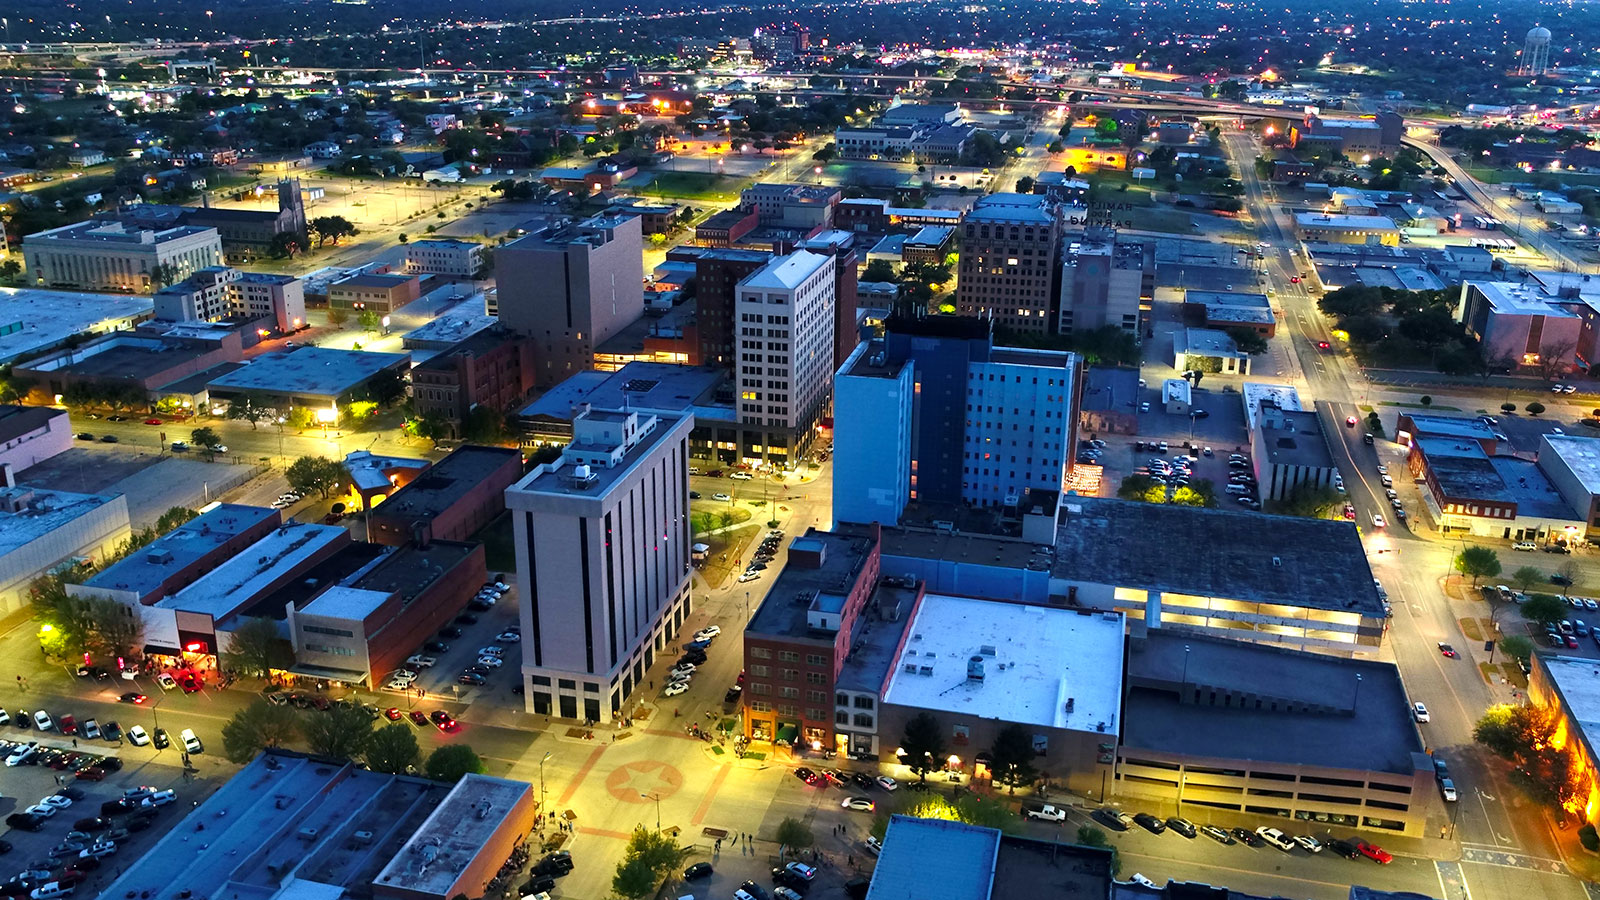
{"x": 1447, "y": 651}
{"x": 1345, "y": 849}
{"x": 1375, "y": 853}
{"x": 138, "y": 736}
{"x": 132, "y": 697}
{"x": 887, "y": 783}
{"x": 806, "y": 775}
{"x": 1447, "y": 788}
{"x": 697, "y": 871}
{"x": 1419, "y": 711}
{"x": 860, "y": 804}
{"x": 675, "y": 688}
{"x": 443, "y": 721}
{"x": 1150, "y": 823}
{"x": 1217, "y": 834}
{"x": 470, "y": 678}
{"x": 1115, "y": 819}
{"x": 1047, "y": 813}
{"x": 191, "y": 743}
{"x": 722, "y": 497}
{"x": 1378, "y": 521}
{"x": 803, "y": 870}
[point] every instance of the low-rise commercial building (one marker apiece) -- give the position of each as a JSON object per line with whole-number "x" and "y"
{"x": 382, "y": 294}
{"x": 182, "y": 556}
{"x": 1467, "y": 491}
{"x": 1411, "y": 425}
{"x": 1346, "y": 229}
{"x": 1230, "y": 309}
{"x": 726, "y": 228}
{"x": 1572, "y": 464}
{"x": 284, "y": 826}
{"x": 131, "y": 363}
{"x": 1522, "y": 325}
{"x": 40, "y": 530}
{"x": 109, "y": 256}
{"x": 804, "y": 206}
{"x": 1568, "y": 687}
{"x": 1290, "y": 453}
{"x": 317, "y": 377}
{"x": 1208, "y": 350}
{"x": 29, "y": 435}
{"x": 493, "y": 369}
{"x": 955, "y": 861}
{"x": 34, "y": 320}
{"x": 454, "y": 499}
{"x": 441, "y": 256}
{"x": 1231, "y": 732}
{"x": 218, "y": 292}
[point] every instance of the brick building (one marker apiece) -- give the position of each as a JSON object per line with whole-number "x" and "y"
{"x": 492, "y": 369}
{"x": 717, "y": 273}
{"x": 450, "y": 501}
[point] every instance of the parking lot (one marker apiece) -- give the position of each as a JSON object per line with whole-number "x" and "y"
{"x": 49, "y": 851}
{"x": 439, "y": 664}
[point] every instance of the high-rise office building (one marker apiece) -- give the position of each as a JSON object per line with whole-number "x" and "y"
{"x": 784, "y": 316}
{"x": 1101, "y": 282}
{"x": 569, "y": 287}
{"x": 602, "y": 542}
{"x": 1009, "y": 249}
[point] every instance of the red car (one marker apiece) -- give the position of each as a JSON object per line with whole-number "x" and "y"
{"x": 1323, "y": 345}
{"x": 152, "y": 421}
{"x": 1294, "y": 279}
{"x": 418, "y": 717}
{"x": 67, "y": 725}
{"x": 445, "y": 723}
{"x": 1447, "y": 651}
{"x": 1375, "y": 853}
{"x": 392, "y": 714}
{"x": 93, "y": 773}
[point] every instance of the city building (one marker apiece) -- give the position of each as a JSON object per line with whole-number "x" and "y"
{"x": 136, "y": 363}
{"x": 1009, "y": 246}
{"x": 717, "y": 273}
{"x": 1019, "y": 410}
{"x": 701, "y": 393}
{"x": 451, "y": 501}
{"x": 785, "y": 344}
{"x": 317, "y": 377}
{"x": 842, "y": 247}
{"x": 1465, "y": 490}
{"x": 443, "y": 256}
{"x": 180, "y": 557}
{"x": 864, "y": 214}
{"x": 1346, "y": 229}
{"x": 34, "y": 320}
{"x": 655, "y": 217}
{"x": 955, "y": 861}
{"x": 1360, "y": 140}
{"x": 493, "y": 370}
{"x": 808, "y": 207}
{"x": 356, "y": 627}
{"x": 1572, "y": 464}
{"x": 1230, "y": 309}
{"x": 218, "y": 292}
{"x": 283, "y": 827}
{"x": 380, "y": 293}
{"x": 602, "y": 542}
{"x": 1412, "y": 425}
{"x": 1290, "y": 453}
{"x": 42, "y": 530}
{"x": 246, "y": 234}
{"x": 1285, "y": 580}
{"x": 1208, "y": 350}
{"x": 109, "y": 256}
{"x": 1101, "y": 283}
{"x": 726, "y": 228}
{"x": 1568, "y": 687}
{"x": 1236, "y": 733}
{"x": 570, "y": 287}
{"x": 1522, "y": 325}
{"x": 29, "y": 435}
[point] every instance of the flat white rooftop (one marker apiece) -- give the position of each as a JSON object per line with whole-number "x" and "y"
{"x": 1035, "y": 661}
{"x": 240, "y": 581}
{"x": 36, "y": 319}
{"x": 1580, "y": 454}
{"x": 340, "y": 602}
{"x": 40, "y": 513}
{"x": 785, "y": 273}
{"x": 1578, "y": 679}
{"x": 433, "y": 859}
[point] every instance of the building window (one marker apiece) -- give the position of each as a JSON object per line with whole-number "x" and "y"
{"x": 760, "y": 671}
{"x": 864, "y": 703}
{"x": 814, "y": 659}
{"x": 862, "y": 720}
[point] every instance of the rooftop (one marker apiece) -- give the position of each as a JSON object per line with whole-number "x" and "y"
{"x": 786, "y": 272}
{"x": 372, "y": 280}
{"x": 1326, "y": 220}
{"x": 1206, "y": 342}
{"x": 114, "y": 233}
{"x": 410, "y": 570}
{"x": 314, "y": 371}
{"x": 256, "y": 825}
{"x": 1295, "y": 438}
{"x": 462, "y": 323}
{"x": 601, "y": 433}
{"x": 1580, "y": 454}
{"x": 842, "y": 558}
{"x": 143, "y": 571}
{"x": 1315, "y": 711}
{"x": 934, "y": 857}
{"x": 444, "y": 483}
{"x": 451, "y": 838}
{"x": 34, "y": 319}
{"x": 1510, "y": 298}
{"x": 1287, "y": 560}
{"x": 236, "y": 583}
{"x": 637, "y": 385}
{"x": 869, "y": 360}
{"x": 17, "y": 421}
{"x": 341, "y": 602}
{"x": 1033, "y": 665}
{"x": 27, "y": 514}
{"x": 1452, "y": 427}
{"x": 1577, "y": 680}
{"x": 1028, "y": 209}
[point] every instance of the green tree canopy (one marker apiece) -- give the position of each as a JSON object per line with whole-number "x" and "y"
{"x": 393, "y": 749}
{"x": 315, "y": 473}
{"x": 1012, "y": 756}
{"x": 1478, "y": 563}
{"x": 793, "y": 835}
{"x": 342, "y": 732}
{"x": 256, "y": 727}
{"x": 923, "y": 743}
{"x": 1546, "y": 609}
{"x": 1518, "y": 647}
{"x": 453, "y": 762}
{"x": 1526, "y": 578}
{"x": 255, "y": 649}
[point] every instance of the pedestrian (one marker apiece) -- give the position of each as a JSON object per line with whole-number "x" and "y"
{"x": 74, "y": 742}
{"x": 852, "y": 861}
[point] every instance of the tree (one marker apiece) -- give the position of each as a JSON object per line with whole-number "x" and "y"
{"x": 1311, "y": 501}
{"x": 1508, "y": 408}
{"x": 315, "y": 473}
{"x": 484, "y": 426}
{"x": 393, "y": 749}
{"x": 1011, "y": 758}
{"x": 246, "y": 408}
{"x": 338, "y": 315}
{"x": 163, "y": 274}
{"x": 341, "y": 732}
{"x": 650, "y": 858}
{"x": 368, "y": 320}
{"x": 430, "y": 425}
{"x": 1248, "y": 340}
{"x": 1025, "y": 184}
{"x": 923, "y": 743}
{"x": 1534, "y": 408}
{"x": 1426, "y": 400}
{"x": 634, "y": 879}
{"x": 1090, "y": 836}
{"x": 9, "y": 270}
{"x": 257, "y": 727}
{"x": 879, "y": 270}
{"x": 332, "y": 228}
{"x": 793, "y": 835}
{"x": 1546, "y": 609}
{"x": 1518, "y": 647}
{"x": 1527, "y": 578}
{"x": 1478, "y": 563}
{"x": 403, "y": 237}
{"x": 386, "y": 387}
{"x": 255, "y": 649}
{"x": 117, "y": 632}
{"x": 452, "y": 763}
{"x": 205, "y": 436}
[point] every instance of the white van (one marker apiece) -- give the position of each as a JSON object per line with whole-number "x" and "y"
{"x": 190, "y": 742}
{"x": 1237, "y": 489}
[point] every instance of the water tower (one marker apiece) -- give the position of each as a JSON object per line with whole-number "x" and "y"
{"x": 1535, "y": 52}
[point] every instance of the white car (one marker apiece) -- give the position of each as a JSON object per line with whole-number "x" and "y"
{"x": 1276, "y": 838}
{"x": 104, "y": 848}
{"x": 41, "y": 720}
{"x": 41, "y": 809}
{"x": 427, "y": 662}
{"x": 685, "y": 667}
{"x": 59, "y": 801}
{"x": 1419, "y": 711}
{"x": 160, "y": 798}
{"x": 501, "y": 586}
{"x": 860, "y": 804}
{"x": 1048, "y": 813}
{"x": 191, "y": 744}
{"x": 493, "y": 662}
{"x": 138, "y": 736}
{"x": 887, "y": 783}
{"x": 1310, "y": 843}
{"x": 1377, "y": 521}
{"x": 803, "y": 870}
{"x": 51, "y": 890}
{"x": 510, "y": 637}
{"x": 684, "y": 677}
{"x": 748, "y": 577}
{"x": 492, "y": 650}
{"x": 741, "y": 476}
{"x": 722, "y": 497}
{"x": 675, "y": 688}
{"x": 710, "y": 631}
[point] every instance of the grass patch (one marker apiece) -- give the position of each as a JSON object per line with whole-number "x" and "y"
{"x": 498, "y": 539}
{"x": 1513, "y": 673}
{"x": 709, "y": 520}
{"x": 693, "y": 186}
{"x": 1490, "y": 673}
{"x": 1469, "y": 627}
{"x": 754, "y": 754}
{"x": 717, "y": 749}
{"x": 1435, "y": 407}
{"x": 1164, "y": 220}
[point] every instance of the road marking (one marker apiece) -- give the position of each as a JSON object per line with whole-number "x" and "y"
{"x": 581, "y": 774}
{"x": 1452, "y": 882}
{"x": 710, "y": 795}
{"x": 1512, "y": 860}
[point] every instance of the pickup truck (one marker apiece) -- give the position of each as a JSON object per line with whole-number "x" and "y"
{"x": 1048, "y": 813}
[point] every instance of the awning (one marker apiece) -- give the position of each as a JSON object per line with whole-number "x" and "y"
{"x": 326, "y": 673}
{"x": 787, "y": 733}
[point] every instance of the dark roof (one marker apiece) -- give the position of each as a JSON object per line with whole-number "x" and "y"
{"x": 16, "y": 421}
{"x": 480, "y": 344}
{"x": 963, "y": 327}
{"x": 439, "y": 487}
{"x": 1290, "y": 560}
{"x": 843, "y": 557}
{"x": 410, "y": 569}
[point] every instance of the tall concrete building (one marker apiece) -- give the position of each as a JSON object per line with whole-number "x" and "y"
{"x": 570, "y": 287}
{"x": 110, "y": 256}
{"x": 1100, "y": 284}
{"x": 717, "y": 273}
{"x": 842, "y": 245}
{"x": 784, "y": 314}
{"x": 898, "y": 402}
{"x": 1009, "y": 248}
{"x": 602, "y": 541}
{"x": 218, "y": 291}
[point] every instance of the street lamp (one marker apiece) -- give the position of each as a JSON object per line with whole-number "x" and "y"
{"x": 543, "y": 813}
{"x": 657, "y": 798}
